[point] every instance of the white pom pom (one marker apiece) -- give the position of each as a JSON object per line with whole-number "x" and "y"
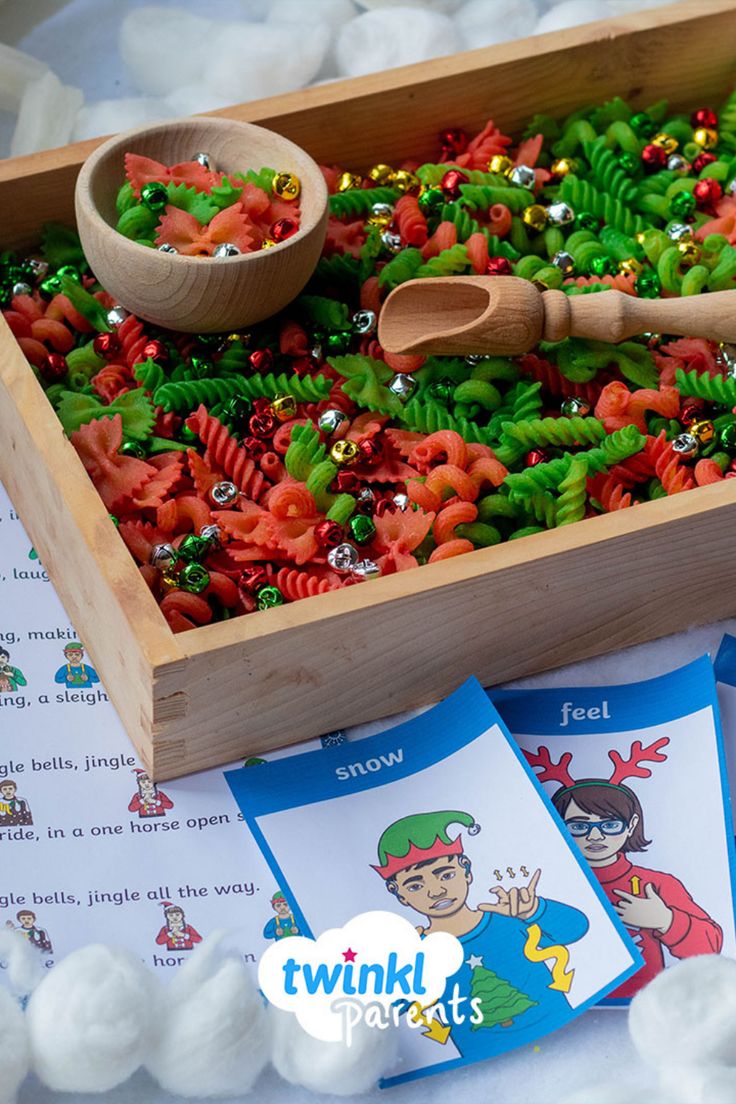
{"x": 17, "y": 70}
{"x": 91, "y": 1018}
{"x": 214, "y": 1030}
{"x": 481, "y": 25}
{"x": 332, "y": 12}
{"x": 571, "y": 13}
{"x": 698, "y": 1084}
{"x": 259, "y": 59}
{"x": 46, "y": 118}
{"x": 109, "y": 116}
{"x": 687, "y": 1013}
{"x": 23, "y": 962}
{"x": 13, "y": 1047}
{"x": 446, "y": 6}
{"x": 164, "y": 48}
{"x": 192, "y": 99}
{"x": 611, "y": 1092}
{"x": 330, "y": 1067}
{"x": 393, "y": 36}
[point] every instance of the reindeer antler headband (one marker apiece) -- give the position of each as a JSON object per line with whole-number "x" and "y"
{"x": 559, "y": 771}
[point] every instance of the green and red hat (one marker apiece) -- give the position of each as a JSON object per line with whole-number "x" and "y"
{"x": 279, "y": 896}
{"x": 419, "y": 838}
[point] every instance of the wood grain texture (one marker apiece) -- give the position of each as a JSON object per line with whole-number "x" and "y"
{"x": 683, "y": 51}
{"x": 195, "y": 294}
{"x": 239, "y": 687}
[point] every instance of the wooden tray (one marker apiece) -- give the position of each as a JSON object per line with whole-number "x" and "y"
{"x": 240, "y": 687}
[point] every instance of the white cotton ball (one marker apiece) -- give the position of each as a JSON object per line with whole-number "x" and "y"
{"x": 14, "y": 1059}
{"x": 698, "y": 1084}
{"x": 571, "y": 13}
{"x": 110, "y": 116}
{"x": 213, "y": 1037}
{"x": 46, "y": 117}
{"x": 393, "y": 36}
{"x": 687, "y": 1013}
{"x": 164, "y": 48}
{"x": 332, "y": 12}
{"x": 611, "y": 1092}
{"x": 23, "y": 962}
{"x": 17, "y": 70}
{"x": 192, "y": 99}
{"x": 485, "y": 22}
{"x": 251, "y": 60}
{"x": 446, "y": 6}
{"x": 91, "y": 1018}
{"x": 330, "y": 1067}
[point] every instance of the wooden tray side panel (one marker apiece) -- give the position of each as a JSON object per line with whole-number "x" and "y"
{"x": 94, "y": 574}
{"x": 386, "y": 116}
{"x": 252, "y": 695}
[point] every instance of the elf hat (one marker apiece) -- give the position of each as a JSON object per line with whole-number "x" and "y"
{"x": 74, "y": 646}
{"x": 278, "y": 897}
{"x": 420, "y": 838}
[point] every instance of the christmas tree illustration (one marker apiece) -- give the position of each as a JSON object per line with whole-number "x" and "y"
{"x": 500, "y": 1001}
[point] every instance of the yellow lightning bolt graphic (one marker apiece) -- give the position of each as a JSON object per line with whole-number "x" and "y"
{"x": 635, "y": 885}
{"x": 561, "y": 977}
{"x": 436, "y": 1030}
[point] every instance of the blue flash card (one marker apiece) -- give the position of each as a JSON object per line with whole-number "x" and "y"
{"x": 441, "y": 820}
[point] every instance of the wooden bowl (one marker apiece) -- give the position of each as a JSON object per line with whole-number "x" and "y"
{"x": 195, "y": 294}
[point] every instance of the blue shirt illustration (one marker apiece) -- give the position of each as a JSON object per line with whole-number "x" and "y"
{"x": 74, "y": 672}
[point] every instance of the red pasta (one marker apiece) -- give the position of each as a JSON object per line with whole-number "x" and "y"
{"x": 410, "y": 222}
{"x": 224, "y": 452}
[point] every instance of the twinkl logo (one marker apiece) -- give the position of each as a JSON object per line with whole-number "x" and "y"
{"x": 375, "y": 964}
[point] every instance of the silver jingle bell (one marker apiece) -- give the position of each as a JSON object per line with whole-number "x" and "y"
{"x": 316, "y": 351}
{"x": 575, "y": 408}
{"x": 330, "y": 421}
{"x": 224, "y": 493}
{"x": 732, "y": 187}
{"x": 391, "y": 241}
{"x": 211, "y": 533}
{"x": 726, "y": 358}
{"x": 382, "y": 210}
{"x": 116, "y": 316}
{"x": 401, "y": 501}
{"x": 474, "y": 358}
{"x": 343, "y": 558}
{"x": 22, "y": 288}
{"x": 39, "y": 268}
{"x": 367, "y": 569}
{"x": 366, "y": 497}
{"x": 163, "y": 556}
{"x": 685, "y": 445}
{"x": 203, "y": 159}
{"x": 226, "y": 249}
{"x": 523, "y": 176}
{"x": 564, "y": 261}
{"x": 677, "y": 163}
{"x": 676, "y": 231}
{"x": 402, "y": 385}
{"x": 560, "y": 214}
{"x": 167, "y": 247}
{"x": 364, "y": 322}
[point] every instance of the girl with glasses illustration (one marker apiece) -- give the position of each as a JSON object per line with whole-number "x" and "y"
{"x": 606, "y": 821}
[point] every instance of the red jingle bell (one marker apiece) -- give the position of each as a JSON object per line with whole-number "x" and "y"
{"x": 707, "y": 192}
{"x": 328, "y": 534}
{"x": 692, "y": 411}
{"x": 498, "y": 266}
{"x": 54, "y": 368}
{"x": 106, "y": 344}
{"x": 283, "y": 228}
{"x": 254, "y": 446}
{"x": 300, "y": 365}
{"x": 262, "y": 425}
{"x": 155, "y": 350}
{"x": 370, "y": 451}
{"x": 453, "y": 140}
{"x": 262, "y": 405}
{"x": 261, "y": 360}
{"x": 450, "y": 183}
{"x": 654, "y": 158}
{"x": 703, "y": 160}
{"x": 704, "y": 117}
{"x": 252, "y": 579}
{"x": 347, "y": 482}
{"x": 536, "y": 456}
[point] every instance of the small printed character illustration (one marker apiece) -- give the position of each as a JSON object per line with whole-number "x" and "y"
{"x": 74, "y": 672}
{"x": 149, "y": 801}
{"x": 283, "y": 923}
{"x": 10, "y": 677}
{"x": 14, "y": 810}
{"x": 333, "y": 739}
{"x": 176, "y": 934}
{"x": 516, "y": 956}
{"x": 27, "y": 928}
{"x": 253, "y": 761}
{"x": 606, "y": 821}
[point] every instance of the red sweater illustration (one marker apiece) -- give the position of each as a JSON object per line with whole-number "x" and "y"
{"x": 182, "y": 940}
{"x": 692, "y": 931}
{"x": 155, "y": 808}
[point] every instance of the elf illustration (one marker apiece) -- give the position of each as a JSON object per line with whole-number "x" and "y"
{"x": 283, "y": 923}
{"x": 14, "y": 810}
{"x": 606, "y": 820}
{"x": 176, "y": 934}
{"x": 36, "y": 936}
{"x": 149, "y": 801}
{"x": 74, "y": 672}
{"x": 516, "y": 946}
{"x": 10, "y": 677}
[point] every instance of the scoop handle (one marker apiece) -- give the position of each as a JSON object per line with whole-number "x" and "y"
{"x": 613, "y": 316}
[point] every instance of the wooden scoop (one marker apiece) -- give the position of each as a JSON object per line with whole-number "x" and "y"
{"x": 507, "y": 316}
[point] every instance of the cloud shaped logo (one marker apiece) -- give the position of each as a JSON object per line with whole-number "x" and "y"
{"x": 376, "y": 959}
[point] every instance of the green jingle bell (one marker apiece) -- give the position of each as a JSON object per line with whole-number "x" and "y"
{"x": 132, "y": 448}
{"x": 441, "y": 390}
{"x": 268, "y": 597}
{"x": 643, "y": 124}
{"x": 682, "y": 205}
{"x": 194, "y": 578}
{"x": 154, "y": 196}
{"x": 585, "y": 220}
{"x": 362, "y": 529}
{"x": 727, "y": 437}
{"x": 601, "y": 266}
{"x": 193, "y": 549}
{"x": 338, "y": 343}
{"x": 648, "y": 285}
{"x": 431, "y": 201}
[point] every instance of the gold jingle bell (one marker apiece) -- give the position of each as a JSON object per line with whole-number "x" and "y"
{"x": 562, "y": 167}
{"x": 343, "y": 453}
{"x": 406, "y": 181}
{"x": 283, "y": 407}
{"x": 535, "y": 215}
{"x": 630, "y": 267}
{"x": 689, "y": 252}
{"x": 500, "y": 164}
{"x": 705, "y": 137}
{"x": 665, "y": 142}
{"x": 347, "y": 182}
{"x": 286, "y": 186}
{"x": 382, "y": 175}
{"x": 703, "y": 431}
